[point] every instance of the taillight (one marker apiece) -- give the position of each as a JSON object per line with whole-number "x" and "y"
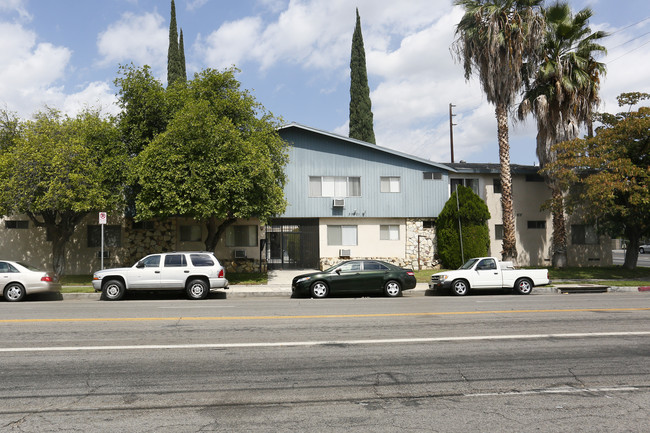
{"x": 222, "y": 273}
{"x": 410, "y": 273}
{"x": 47, "y": 278}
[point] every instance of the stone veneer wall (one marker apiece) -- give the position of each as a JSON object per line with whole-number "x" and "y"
{"x": 414, "y": 231}
{"x": 140, "y": 242}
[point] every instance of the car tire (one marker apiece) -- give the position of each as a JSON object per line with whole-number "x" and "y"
{"x": 641, "y": 250}
{"x": 392, "y": 289}
{"x": 14, "y": 292}
{"x": 319, "y": 290}
{"x": 459, "y": 288}
{"x": 523, "y": 286}
{"x": 197, "y": 289}
{"x": 113, "y": 290}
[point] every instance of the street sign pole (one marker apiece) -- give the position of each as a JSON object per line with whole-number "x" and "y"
{"x": 102, "y": 223}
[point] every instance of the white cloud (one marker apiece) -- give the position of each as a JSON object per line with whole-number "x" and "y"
{"x": 17, "y": 6}
{"x": 98, "y": 95}
{"x": 141, "y": 39}
{"x": 29, "y": 71}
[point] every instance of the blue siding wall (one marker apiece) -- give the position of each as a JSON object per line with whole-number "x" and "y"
{"x": 314, "y": 154}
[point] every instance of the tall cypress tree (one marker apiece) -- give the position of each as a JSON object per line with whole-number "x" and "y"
{"x": 174, "y": 69}
{"x": 361, "y": 126}
{"x": 181, "y": 50}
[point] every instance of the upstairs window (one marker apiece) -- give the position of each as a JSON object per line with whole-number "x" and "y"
{"x": 334, "y": 186}
{"x": 536, "y": 224}
{"x": 17, "y": 224}
{"x": 430, "y": 175}
{"x": 390, "y": 184}
{"x": 469, "y": 183}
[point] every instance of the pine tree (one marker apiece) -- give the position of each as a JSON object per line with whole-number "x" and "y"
{"x": 181, "y": 50}
{"x": 174, "y": 69}
{"x": 361, "y": 123}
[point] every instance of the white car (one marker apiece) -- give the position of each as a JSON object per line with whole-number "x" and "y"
{"x": 18, "y": 280}
{"x": 195, "y": 272}
{"x": 644, "y": 249}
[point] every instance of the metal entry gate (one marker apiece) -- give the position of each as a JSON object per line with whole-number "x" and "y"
{"x": 292, "y": 244}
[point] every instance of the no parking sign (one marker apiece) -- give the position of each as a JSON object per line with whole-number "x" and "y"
{"x": 102, "y": 217}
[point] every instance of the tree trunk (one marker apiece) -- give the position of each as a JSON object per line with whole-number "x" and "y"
{"x": 509, "y": 252}
{"x": 215, "y": 231}
{"x": 632, "y": 251}
{"x": 559, "y": 259}
{"x": 60, "y": 227}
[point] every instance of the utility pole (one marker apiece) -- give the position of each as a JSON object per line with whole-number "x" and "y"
{"x": 451, "y": 130}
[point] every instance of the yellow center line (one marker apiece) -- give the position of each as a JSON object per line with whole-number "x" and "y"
{"x": 318, "y": 316}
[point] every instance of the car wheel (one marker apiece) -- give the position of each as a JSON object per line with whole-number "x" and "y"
{"x": 524, "y": 286}
{"x": 642, "y": 250}
{"x": 392, "y": 289}
{"x": 197, "y": 289}
{"x": 459, "y": 288}
{"x": 14, "y": 292}
{"x": 113, "y": 290}
{"x": 319, "y": 290}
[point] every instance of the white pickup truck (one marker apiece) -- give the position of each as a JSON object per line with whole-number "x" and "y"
{"x": 488, "y": 273}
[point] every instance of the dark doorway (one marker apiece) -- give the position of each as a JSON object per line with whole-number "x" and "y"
{"x": 292, "y": 244}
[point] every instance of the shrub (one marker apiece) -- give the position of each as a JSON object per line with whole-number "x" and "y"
{"x": 474, "y": 216}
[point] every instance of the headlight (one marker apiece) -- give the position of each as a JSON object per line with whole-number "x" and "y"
{"x": 443, "y": 277}
{"x": 97, "y": 277}
{"x": 300, "y": 280}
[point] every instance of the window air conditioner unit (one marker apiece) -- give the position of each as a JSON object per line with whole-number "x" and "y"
{"x": 344, "y": 253}
{"x": 240, "y": 254}
{"x": 338, "y": 202}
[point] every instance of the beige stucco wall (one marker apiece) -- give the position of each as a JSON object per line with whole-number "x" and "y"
{"x": 368, "y": 242}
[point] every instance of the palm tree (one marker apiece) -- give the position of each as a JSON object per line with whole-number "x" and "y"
{"x": 499, "y": 39}
{"x": 562, "y": 96}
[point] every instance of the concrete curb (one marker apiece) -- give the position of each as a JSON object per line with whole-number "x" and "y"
{"x": 422, "y": 289}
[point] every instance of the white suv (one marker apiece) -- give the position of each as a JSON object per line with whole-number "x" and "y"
{"x": 194, "y": 272}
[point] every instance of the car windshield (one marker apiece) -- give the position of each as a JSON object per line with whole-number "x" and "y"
{"x": 468, "y": 264}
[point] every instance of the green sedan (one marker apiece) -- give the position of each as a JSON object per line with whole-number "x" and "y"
{"x": 355, "y": 276}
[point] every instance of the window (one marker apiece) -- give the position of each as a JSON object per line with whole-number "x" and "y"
{"x": 469, "y": 183}
{"x": 112, "y": 236}
{"x": 389, "y": 232}
{"x": 374, "y": 266}
{"x": 429, "y": 175}
{"x": 7, "y": 267}
{"x": 486, "y": 265}
{"x": 390, "y": 184}
{"x": 498, "y": 232}
{"x": 190, "y": 233}
{"x": 584, "y": 235}
{"x": 334, "y": 186}
{"x": 341, "y": 235}
{"x": 151, "y": 261}
{"x": 428, "y": 224}
{"x": 175, "y": 260}
{"x": 201, "y": 260}
{"x": 496, "y": 184}
{"x": 21, "y": 224}
{"x": 536, "y": 224}
{"x": 241, "y": 236}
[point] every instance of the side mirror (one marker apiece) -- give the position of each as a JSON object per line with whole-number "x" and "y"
{"x": 338, "y": 271}
{"x": 139, "y": 265}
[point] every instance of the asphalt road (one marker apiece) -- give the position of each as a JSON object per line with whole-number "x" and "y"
{"x": 481, "y": 363}
{"x": 618, "y": 258}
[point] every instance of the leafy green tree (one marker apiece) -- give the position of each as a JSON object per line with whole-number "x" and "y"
{"x": 219, "y": 159}
{"x": 608, "y": 178}
{"x": 562, "y": 96}
{"x": 474, "y": 216}
{"x": 58, "y": 170}
{"x": 361, "y": 118}
{"x": 174, "y": 65}
{"x": 500, "y": 39}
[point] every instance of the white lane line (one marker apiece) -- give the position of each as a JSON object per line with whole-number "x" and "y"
{"x": 321, "y": 343}
{"x": 555, "y": 391}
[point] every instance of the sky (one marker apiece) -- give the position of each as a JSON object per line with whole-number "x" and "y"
{"x": 294, "y": 56}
